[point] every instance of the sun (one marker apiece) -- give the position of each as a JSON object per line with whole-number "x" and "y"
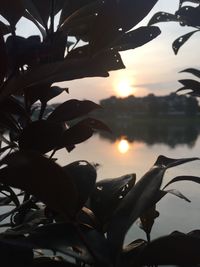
{"x": 124, "y": 88}
{"x": 123, "y": 146}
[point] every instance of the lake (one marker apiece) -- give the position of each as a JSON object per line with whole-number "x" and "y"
{"x": 133, "y": 148}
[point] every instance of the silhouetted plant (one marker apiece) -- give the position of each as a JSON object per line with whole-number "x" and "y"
{"x": 64, "y": 209}
{"x": 186, "y": 15}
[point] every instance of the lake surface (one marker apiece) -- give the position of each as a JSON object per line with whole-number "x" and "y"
{"x": 133, "y": 148}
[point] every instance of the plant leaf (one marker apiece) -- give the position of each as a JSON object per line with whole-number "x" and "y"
{"x": 42, "y": 136}
{"x": 162, "y": 17}
{"x": 43, "y": 178}
{"x": 15, "y": 254}
{"x": 72, "y": 109}
{"x": 174, "y": 192}
{"x": 62, "y": 237}
{"x": 184, "y": 178}
{"x": 12, "y": 10}
{"x": 84, "y": 177}
{"x": 136, "y": 38}
{"x": 178, "y": 43}
{"x": 125, "y": 15}
{"x": 189, "y": 15}
{"x": 141, "y": 197}
{"x": 82, "y": 131}
{"x": 181, "y": 250}
{"x": 3, "y": 62}
{"x": 108, "y": 194}
{"x": 192, "y": 71}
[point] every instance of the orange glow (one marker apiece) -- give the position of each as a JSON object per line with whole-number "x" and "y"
{"x": 123, "y": 146}
{"x": 124, "y": 88}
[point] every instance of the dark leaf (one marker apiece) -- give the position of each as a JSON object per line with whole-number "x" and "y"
{"x": 15, "y": 255}
{"x": 166, "y": 162}
{"x": 63, "y": 71}
{"x": 3, "y": 61}
{"x": 43, "y": 178}
{"x": 136, "y": 38}
{"x": 189, "y": 15}
{"x": 82, "y": 131}
{"x": 107, "y": 196}
{"x": 178, "y": 43}
{"x": 125, "y": 15}
{"x": 72, "y": 109}
{"x": 189, "y": 84}
{"x": 73, "y": 241}
{"x": 8, "y": 122}
{"x": 31, "y": 220}
{"x": 4, "y": 28}
{"x": 77, "y": 9}
{"x": 141, "y": 197}
{"x": 87, "y": 217}
{"x": 181, "y": 250}
{"x": 48, "y": 262}
{"x": 12, "y": 10}
{"x": 84, "y": 177}
{"x": 162, "y": 17}
{"x": 10, "y": 194}
{"x": 174, "y": 192}
{"x": 147, "y": 220}
{"x": 13, "y": 106}
{"x": 131, "y": 251}
{"x": 184, "y": 178}
{"x": 44, "y": 9}
{"x": 42, "y": 92}
{"x": 192, "y": 71}
{"x": 42, "y": 136}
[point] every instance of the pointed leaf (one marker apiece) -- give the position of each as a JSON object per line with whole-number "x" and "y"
{"x": 72, "y": 109}
{"x": 43, "y": 178}
{"x": 174, "y": 192}
{"x": 108, "y": 194}
{"x": 136, "y": 38}
{"x": 162, "y": 17}
{"x": 178, "y": 43}
{"x": 192, "y": 71}
{"x": 141, "y": 197}
{"x": 166, "y": 162}
{"x": 184, "y": 178}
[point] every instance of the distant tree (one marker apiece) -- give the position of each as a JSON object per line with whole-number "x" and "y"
{"x": 63, "y": 208}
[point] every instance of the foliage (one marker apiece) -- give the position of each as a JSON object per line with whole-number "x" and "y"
{"x": 186, "y": 15}
{"x": 63, "y": 208}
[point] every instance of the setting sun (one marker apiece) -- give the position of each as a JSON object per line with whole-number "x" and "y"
{"x": 124, "y": 88}
{"x": 123, "y": 146}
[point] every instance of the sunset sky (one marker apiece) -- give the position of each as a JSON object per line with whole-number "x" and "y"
{"x": 152, "y": 68}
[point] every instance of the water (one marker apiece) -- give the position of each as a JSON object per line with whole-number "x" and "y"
{"x": 137, "y": 153}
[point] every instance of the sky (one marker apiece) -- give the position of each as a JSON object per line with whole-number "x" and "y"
{"x": 152, "y": 68}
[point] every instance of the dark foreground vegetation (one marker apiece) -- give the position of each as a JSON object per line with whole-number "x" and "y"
{"x": 64, "y": 209}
